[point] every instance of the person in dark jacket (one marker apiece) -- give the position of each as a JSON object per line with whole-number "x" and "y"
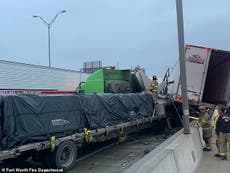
{"x": 228, "y": 110}
{"x": 221, "y": 111}
{"x": 223, "y": 129}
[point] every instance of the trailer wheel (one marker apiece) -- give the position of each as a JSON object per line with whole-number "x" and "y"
{"x": 64, "y": 156}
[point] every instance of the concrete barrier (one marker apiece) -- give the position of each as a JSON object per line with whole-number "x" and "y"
{"x": 178, "y": 154}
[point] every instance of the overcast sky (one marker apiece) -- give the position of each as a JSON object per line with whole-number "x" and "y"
{"x": 128, "y": 32}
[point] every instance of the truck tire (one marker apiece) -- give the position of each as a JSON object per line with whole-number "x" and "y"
{"x": 64, "y": 156}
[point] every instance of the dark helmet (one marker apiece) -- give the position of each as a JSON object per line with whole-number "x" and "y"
{"x": 223, "y": 108}
{"x": 228, "y": 110}
{"x": 201, "y": 107}
{"x": 154, "y": 77}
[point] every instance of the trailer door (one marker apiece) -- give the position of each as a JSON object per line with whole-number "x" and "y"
{"x": 197, "y": 59}
{"x": 217, "y": 84}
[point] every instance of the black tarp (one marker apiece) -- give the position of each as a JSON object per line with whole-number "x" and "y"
{"x": 32, "y": 118}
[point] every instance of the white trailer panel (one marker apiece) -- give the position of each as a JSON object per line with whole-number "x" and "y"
{"x": 197, "y": 60}
{"x": 208, "y": 75}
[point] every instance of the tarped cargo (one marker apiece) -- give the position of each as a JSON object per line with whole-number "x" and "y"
{"x": 31, "y": 118}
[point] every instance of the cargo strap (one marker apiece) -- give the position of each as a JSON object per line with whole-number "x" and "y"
{"x": 122, "y": 136}
{"x": 88, "y": 136}
{"x": 106, "y": 130}
{"x": 154, "y": 111}
{"x": 122, "y": 130}
{"x": 52, "y": 143}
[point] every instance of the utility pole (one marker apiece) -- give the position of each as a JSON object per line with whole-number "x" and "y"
{"x": 49, "y": 44}
{"x": 48, "y": 27}
{"x": 181, "y": 45}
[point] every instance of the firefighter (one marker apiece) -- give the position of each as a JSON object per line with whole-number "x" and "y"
{"x": 219, "y": 111}
{"x": 223, "y": 128}
{"x": 205, "y": 122}
{"x": 154, "y": 89}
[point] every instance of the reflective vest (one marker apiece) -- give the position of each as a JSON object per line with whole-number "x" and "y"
{"x": 215, "y": 121}
{"x": 154, "y": 86}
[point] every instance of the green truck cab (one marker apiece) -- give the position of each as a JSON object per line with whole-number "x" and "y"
{"x": 108, "y": 81}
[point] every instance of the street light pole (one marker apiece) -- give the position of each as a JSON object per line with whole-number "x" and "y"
{"x": 48, "y": 27}
{"x": 49, "y": 45}
{"x": 180, "y": 27}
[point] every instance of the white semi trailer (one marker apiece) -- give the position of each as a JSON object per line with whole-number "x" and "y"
{"x": 208, "y": 75}
{"x": 17, "y": 78}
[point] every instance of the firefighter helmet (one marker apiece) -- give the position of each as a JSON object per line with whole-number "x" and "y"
{"x": 201, "y": 107}
{"x": 223, "y": 108}
{"x": 154, "y": 77}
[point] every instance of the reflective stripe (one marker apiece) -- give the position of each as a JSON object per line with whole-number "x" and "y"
{"x": 202, "y": 122}
{"x": 205, "y": 121}
{"x": 208, "y": 128}
{"x": 215, "y": 121}
{"x": 223, "y": 154}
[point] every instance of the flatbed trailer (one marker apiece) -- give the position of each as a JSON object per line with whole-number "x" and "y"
{"x": 44, "y": 150}
{"x": 60, "y": 151}
{"x": 98, "y": 135}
